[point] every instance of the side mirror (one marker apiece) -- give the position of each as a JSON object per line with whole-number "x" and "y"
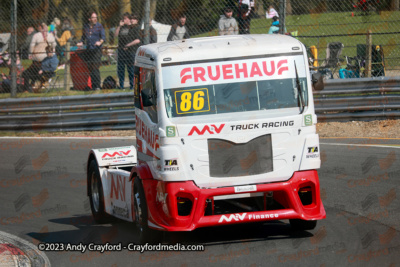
{"x": 317, "y": 81}
{"x": 147, "y": 98}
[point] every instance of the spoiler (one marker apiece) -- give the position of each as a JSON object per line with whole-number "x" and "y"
{"x": 115, "y": 156}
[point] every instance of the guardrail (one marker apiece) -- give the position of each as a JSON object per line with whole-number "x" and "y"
{"x": 341, "y": 100}
{"x": 358, "y": 99}
{"x": 69, "y": 113}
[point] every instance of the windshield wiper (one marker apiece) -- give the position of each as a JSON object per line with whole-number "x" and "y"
{"x": 300, "y": 98}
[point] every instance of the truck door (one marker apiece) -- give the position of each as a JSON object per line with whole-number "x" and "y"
{"x": 146, "y": 115}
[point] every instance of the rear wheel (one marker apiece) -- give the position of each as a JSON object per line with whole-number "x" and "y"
{"x": 146, "y": 234}
{"x": 96, "y": 196}
{"x": 302, "y": 225}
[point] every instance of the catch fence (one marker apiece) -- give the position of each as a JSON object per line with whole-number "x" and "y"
{"x": 362, "y": 36}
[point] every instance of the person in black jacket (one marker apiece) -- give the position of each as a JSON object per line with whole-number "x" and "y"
{"x": 128, "y": 42}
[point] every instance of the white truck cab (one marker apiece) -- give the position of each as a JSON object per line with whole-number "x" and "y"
{"x": 226, "y": 133}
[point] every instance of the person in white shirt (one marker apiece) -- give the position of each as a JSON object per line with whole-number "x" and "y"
{"x": 37, "y": 52}
{"x": 271, "y": 12}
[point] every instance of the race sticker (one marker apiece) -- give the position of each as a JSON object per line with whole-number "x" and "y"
{"x": 171, "y": 131}
{"x": 192, "y": 101}
{"x": 308, "y": 120}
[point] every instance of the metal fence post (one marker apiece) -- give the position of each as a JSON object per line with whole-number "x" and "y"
{"x": 67, "y": 69}
{"x": 146, "y": 39}
{"x": 368, "y": 52}
{"x": 282, "y": 14}
{"x": 13, "y": 48}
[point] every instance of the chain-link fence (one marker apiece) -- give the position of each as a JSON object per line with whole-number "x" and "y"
{"x": 94, "y": 41}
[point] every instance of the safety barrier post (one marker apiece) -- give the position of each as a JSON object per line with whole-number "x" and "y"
{"x": 66, "y": 69}
{"x": 368, "y": 58}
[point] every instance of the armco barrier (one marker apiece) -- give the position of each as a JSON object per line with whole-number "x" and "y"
{"x": 69, "y": 113}
{"x": 341, "y": 100}
{"x": 358, "y": 99}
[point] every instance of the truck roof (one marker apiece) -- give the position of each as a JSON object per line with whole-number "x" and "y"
{"x": 219, "y": 47}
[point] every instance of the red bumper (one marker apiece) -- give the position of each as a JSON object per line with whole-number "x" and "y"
{"x": 163, "y": 197}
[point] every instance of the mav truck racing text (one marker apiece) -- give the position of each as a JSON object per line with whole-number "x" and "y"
{"x": 225, "y": 134}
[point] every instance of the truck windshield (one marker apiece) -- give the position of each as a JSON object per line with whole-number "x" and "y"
{"x": 234, "y": 97}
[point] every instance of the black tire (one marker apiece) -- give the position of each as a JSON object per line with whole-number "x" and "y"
{"x": 96, "y": 197}
{"x": 146, "y": 234}
{"x": 302, "y": 225}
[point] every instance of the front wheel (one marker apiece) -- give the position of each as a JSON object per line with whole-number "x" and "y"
{"x": 302, "y": 225}
{"x": 96, "y": 197}
{"x": 146, "y": 234}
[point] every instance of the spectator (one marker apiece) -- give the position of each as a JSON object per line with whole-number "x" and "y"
{"x": 3, "y": 45}
{"x": 67, "y": 26}
{"x": 227, "y": 24}
{"x": 54, "y": 27}
{"x": 128, "y": 39}
{"x": 6, "y": 83}
{"x": 136, "y": 30}
{"x": 275, "y": 26}
{"x": 134, "y": 20}
{"x": 3, "y": 62}
{"x": 179, "y": 30}
{"x": 37, "y": 50}
{"x": 153, "y": 34}
{"x": 93, "y": 36}
{"x": 271, "y": 13}
{"x": 244, "y": 18}
{"x": 25, "y": 46}
{"x": 67, "y": 34}
{"x": 49, "y": 65}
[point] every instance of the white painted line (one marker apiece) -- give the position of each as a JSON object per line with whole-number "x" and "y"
{"x": 27, "y": 246}
{"x": 340, "y": 144}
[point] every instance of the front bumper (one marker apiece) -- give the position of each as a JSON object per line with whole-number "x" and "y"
{"x": 163, "y": 197}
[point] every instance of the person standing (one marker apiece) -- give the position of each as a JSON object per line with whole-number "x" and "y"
{"x": 37, "y": 50}
{"x": 67, "y": 32}
{"x": 127, "y": 40}
{"x": 25, "y": 47}
{"x": 227, "y": 25}
{"x": 244, "y": 18}
{"x": 93, "y": 36}
{"x": 179, "y": 30}
{"x": 135, "y": 28}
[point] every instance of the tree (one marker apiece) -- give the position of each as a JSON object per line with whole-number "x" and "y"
{"x": 153, "y": 8}
{"x": 125, "y": 6}
{"x": 394, "y": 5}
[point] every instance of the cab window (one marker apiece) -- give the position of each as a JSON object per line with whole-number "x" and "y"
{"x": 145, "y": 92}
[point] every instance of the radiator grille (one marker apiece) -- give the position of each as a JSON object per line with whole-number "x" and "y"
{"x": 229, "y": 159}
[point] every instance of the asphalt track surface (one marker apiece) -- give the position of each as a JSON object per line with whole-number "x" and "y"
{"x": 43, "y": 199}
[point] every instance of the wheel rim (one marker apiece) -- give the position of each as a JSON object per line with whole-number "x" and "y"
{"x": 138, "y": 212}
{"x": 95, "y": 193}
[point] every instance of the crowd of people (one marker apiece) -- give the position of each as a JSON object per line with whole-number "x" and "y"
{"x": 46, "y": 45}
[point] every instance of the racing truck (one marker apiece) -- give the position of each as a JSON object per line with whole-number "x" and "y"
{"x": 225, "y": 134}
